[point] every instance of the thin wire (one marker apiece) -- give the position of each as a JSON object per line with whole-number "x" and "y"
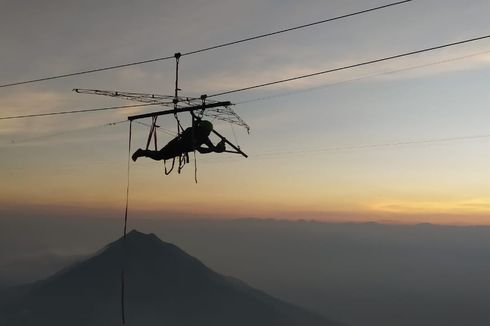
{"x": 159, "y": 128}
{"x": 234, "y": 134}
{"x": 365, "y": 63}
{"x": 380, "y": 145}
{"x": 25, "y": 140}
{"x": 281, "y": 154}
{"x": 83, "y": 72}
{"x": 77, "y": 111}
{"x": 264, "y": 98}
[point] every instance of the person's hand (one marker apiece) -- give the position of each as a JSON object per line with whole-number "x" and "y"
{"x": 220, "y": 147}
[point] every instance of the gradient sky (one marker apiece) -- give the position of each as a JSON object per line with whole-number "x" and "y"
{"x": 310, "y": 143}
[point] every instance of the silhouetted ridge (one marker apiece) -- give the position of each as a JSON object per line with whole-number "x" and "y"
{"x": 138, "y": 242}
{"x": 164, "y": 286}
{"x": 137, "y": 235}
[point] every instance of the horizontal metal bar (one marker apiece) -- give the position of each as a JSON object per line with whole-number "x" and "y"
{"x": 178, "y": 110}
{"x": 239, "y": 151}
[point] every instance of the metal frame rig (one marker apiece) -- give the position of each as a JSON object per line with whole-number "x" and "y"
{"x": 198, "y": 107}
{"x": 211, "y": 109}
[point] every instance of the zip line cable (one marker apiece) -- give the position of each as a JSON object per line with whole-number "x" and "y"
{"x": 125, "y": 65}
{"x": 297, "y": 27}
{"x": 242, "y": 102}
{"x": 265, "y": 98}
{"x": 84, "y": 72}
{"x": 365, "y": 63}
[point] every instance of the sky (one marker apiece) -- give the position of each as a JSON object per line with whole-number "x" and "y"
{"x": 404, "y": 141}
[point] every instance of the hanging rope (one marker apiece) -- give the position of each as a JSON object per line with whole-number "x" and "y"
{"x": 195, "y": 166}
{"x": 123, "y": 314}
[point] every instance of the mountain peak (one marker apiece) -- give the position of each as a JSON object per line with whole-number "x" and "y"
{"x": 137, "y": 235}
{"x": 135, "y": 232}
{"x": 163, "y": 285}
{"x": 137, "y": 241}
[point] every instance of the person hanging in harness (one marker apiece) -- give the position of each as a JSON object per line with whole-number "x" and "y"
{"x": 189, "y": 140}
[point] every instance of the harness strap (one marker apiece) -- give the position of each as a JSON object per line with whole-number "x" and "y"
{"x": 183, "y": 159}
{"x": 171, "y": 168}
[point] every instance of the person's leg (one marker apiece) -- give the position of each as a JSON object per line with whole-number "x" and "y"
{"x": 163, "y": 154}
{"x": 172, "y": 149}
{"x": 155, "y": 155}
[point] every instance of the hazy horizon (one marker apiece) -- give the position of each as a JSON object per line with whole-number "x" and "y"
{"x": 347, "y": 271}
{"x": 73, "y": 211}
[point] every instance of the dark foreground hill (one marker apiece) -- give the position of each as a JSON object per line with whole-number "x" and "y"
{"x": 164, "y": 286}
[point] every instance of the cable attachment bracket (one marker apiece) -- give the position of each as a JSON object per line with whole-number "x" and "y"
{"x": 203, "y": 101}
{"x": 176, "y": 91}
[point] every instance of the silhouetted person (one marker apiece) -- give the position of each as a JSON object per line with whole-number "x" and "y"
{"x": 189, "y": 140}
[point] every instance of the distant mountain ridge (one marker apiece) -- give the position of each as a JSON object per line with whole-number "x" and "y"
{"x": 164, "y": 286}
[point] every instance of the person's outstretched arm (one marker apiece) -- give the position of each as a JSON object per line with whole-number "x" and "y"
{"x": 219, "y": 148}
